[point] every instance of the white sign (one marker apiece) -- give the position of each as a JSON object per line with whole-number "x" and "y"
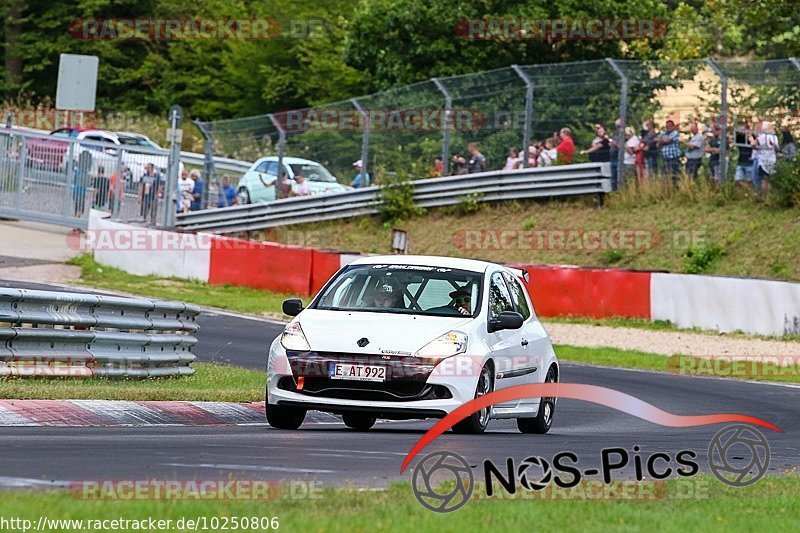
{"x": 77, "y": 82}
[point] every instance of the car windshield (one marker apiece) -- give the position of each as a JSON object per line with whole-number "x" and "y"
{"x": 404, "y": 289}
{"x": 135, "y": 141}
{"x": 312, "y": 172}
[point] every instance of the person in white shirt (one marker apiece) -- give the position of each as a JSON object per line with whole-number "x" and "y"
{"x": 765, "y": 145}
{"x": 301, "y": 188}
{"x": 695, "y": 151}
{"x": 185, "y": 190}
{"x": 513, "y": 160}
{"x": 548, "y": 154}
{"x": 629, "y": 162}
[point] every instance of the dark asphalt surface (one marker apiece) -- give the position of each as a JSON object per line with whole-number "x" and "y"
{"x": 335, "y": 455}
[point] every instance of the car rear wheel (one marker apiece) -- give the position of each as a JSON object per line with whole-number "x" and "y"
{"x": 477, "y": 422}
{"x": 282, "y": 417}
{"x": 547, "y": 406}
{"x": 357, "y": 421}
{"x": 243, "y": 196}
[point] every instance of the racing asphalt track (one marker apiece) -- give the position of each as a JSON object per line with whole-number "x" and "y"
{"x": 331, "y": 453}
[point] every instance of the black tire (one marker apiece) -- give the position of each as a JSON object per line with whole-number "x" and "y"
{"x": 477, "y": 422}
{"x": 281, "y": 417}
{"x": 547, "y": 406}
{"x": 243, "y": 195}
{"x": 358, "y": 421}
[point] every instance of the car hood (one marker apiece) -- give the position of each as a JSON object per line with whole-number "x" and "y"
{"x": 392, "y": 334}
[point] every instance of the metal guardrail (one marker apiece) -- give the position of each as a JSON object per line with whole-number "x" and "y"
{"x": 567, "y": 180}
{"x": 224, "y": 163}
{"x": 62, "y": 334}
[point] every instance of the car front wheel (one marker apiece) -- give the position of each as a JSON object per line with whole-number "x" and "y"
{"x": 547, "y": 406}
{"x": 477, "y": 422}
{"x": 282, "y": 417}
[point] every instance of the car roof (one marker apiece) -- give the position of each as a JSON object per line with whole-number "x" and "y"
{"x": 290, "y": 160}
{"x": 131, "y": 134}
{"x": 472, "y": 265}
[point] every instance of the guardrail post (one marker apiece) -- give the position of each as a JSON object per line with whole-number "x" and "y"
{"x": 723, "y": 120}
{"x": 623, "y": 120}
{"x": 208, "y": 163}
{"x": 526, "y": 135}
{"x": 448, "y": 109}
{"x": 364, "y": 137}
{"x": 281, "y": 150}
{"x": 171, "y": 187}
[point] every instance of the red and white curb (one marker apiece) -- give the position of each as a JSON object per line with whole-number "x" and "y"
{"x": 114, "y": 413}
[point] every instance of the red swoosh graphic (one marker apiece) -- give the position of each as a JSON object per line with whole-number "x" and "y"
{"x": 588, "y": 393}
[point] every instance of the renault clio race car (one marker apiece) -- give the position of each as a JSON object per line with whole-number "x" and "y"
{"x": 405, "y": 337}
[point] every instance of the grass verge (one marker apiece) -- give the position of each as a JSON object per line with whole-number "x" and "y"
{"x": 210, "y": 382}
{"x": 773, "y": 500}
{"x": 240, "y": 299}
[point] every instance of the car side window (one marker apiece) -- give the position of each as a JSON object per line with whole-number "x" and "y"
{"x": 518, "y": 295}
{"x": 272, "y": 168}
{"x": 262, "y": 167}
{"x": 499, "y": 297}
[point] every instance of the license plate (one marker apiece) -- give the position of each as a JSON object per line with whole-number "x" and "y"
{"x": 357, "y": 372}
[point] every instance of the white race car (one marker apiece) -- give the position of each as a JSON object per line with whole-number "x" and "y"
{"x": 404, "y": 337}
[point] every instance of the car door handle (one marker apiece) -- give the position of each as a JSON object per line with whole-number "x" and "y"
{"x": 524, "y": 342}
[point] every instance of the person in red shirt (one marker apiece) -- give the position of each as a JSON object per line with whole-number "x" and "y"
{"x": 566, "y": 148}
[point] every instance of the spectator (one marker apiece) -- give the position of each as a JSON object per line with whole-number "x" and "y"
{"x": 548, "y": 154}
{"x": 227, "y": 195}
{"x": 695, "y": 151}
{"x": 477, "y": 162}
{"x": 81, "y": 182}
{"x": 362, "y": 178}
{"x": 438, "y": 167}
{"x": 669, "y": 142}
{"x": 788, "y": 148}
{"x": 744, "y": 163}
{"x": 116, "y": 187}
{"x": 185, "y": 190}
{"x": 650, "y": 147}
{"x": 150, "y": 190}
{"x": 199, "y": 188}
{"x": 765, "y": 146}
{"x": 513, "y": 160}
{"x": 565, "y": 148}
{"x": 101, "y": 188}
{"x": 632, "y": 143}
{"x": 300, "y": 187}
{"x": 713, "y": 148}
{"x": 459, "y": 165}
{"x": 533, "y": 154}
{"x": 599, "y": 151}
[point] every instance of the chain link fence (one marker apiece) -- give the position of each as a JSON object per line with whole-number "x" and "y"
{"x": 425, "y": 129}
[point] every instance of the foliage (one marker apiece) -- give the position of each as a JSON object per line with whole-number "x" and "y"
{"x": 701, "y": 259}
{"x": 786, "y": 183}
{"x": 397, "y": 203}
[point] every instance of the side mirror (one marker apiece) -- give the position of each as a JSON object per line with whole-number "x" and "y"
{"x": 506, "y": 320}
{"x": 293, "y": 306}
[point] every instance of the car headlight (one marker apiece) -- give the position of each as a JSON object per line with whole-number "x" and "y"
{"x": 450, "y": 344}
{"x": 293, "y": 338}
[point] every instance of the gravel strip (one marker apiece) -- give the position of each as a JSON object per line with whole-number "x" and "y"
{"x": 667, "y": 342}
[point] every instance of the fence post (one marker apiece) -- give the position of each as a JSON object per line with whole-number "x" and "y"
{"x": 69, "y": 180}
{"x": 119, "y": 192}
{"x": 723, "y": 122}
{"x": 526, "y": 135}
{"x": 171, "y": 187}
{"x": 795, "y": 62}
{"x": 281, "y": 150}
{"x": 208, "y": 163}
{"x": 623, "y": 119}
{"x": 23, "y": 156}
{"x": 364, "y": 137}
{"x": 448, "y": 109}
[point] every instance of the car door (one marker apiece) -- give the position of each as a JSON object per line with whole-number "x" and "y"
{"x": 506, "y": 345}
{"x": 533, "y": 337}
{"x": 256, "y": 180}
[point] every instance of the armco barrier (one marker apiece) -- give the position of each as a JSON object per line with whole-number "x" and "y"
{"x": 260, "y": 265}
{"x": 86, "y": 335}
